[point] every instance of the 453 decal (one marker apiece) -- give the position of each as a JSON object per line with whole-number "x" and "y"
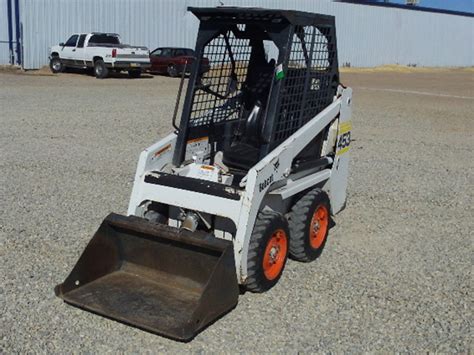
{"x": 343, "y": 138}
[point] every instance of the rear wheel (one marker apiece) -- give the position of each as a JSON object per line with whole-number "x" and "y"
{"x": 172, "y": 71}
{"x": 55, "y": 65}
{"x": 100, "y": 70}
{"x": 268, "y": 251}
{"x": 309, "y": 225}
{"x": 135, "y": 73}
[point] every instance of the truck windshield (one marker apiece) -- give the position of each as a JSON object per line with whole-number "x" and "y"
{"x": 103, "y": 39}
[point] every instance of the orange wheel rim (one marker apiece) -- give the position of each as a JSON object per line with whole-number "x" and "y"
{"x": 318, "y": 226}
{"x": 275, "y": 254}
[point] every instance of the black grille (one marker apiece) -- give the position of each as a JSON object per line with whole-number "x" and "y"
{"x": 221, "y": 52}
{"x": 308, "y": 86}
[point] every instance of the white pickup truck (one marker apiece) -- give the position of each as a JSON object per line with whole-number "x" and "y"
{"x": 100, "y": 51}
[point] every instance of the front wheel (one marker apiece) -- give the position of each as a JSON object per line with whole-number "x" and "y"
{"x": 100, "y": 70}
{"x": 135, "y": 73}
{"x": 55, "y": 65}
{"x": 268, "y": 251}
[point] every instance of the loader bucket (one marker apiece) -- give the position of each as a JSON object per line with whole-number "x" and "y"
{"x": 158, "y": 278}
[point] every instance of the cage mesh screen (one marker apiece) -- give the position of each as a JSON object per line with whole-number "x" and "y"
{"x": 207, "y": 107}
{"x": 307, "y": 85}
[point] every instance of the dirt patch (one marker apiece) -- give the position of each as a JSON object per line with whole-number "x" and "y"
{"x": 43, "y": 71}
{"x": 14, "y": 69}
{"x": 10, "y": 68}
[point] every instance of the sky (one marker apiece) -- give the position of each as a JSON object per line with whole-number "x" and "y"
{"x": 456, "y": 5}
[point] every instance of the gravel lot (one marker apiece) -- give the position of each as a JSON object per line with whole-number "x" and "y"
{"x": 396, "y": 274}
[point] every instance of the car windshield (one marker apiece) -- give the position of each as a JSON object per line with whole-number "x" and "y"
{"x": 103, "y": 39}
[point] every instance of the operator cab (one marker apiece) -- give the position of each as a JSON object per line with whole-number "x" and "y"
{"x": 270, "y": 73}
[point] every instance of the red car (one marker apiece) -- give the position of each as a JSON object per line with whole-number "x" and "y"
{"x": 171, "y": 61}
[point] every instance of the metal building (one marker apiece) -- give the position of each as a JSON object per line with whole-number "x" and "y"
{"x": 367, "y": 35}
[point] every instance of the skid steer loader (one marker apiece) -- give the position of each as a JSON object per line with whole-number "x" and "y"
{"x": 251, "y": 175}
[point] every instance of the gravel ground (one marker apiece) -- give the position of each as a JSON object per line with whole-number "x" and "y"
{"x": 396, "y": 274}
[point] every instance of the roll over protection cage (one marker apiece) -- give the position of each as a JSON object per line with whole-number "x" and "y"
{"x": 231, "y": 40}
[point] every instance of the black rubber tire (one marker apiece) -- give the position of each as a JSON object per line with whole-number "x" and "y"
{"x": 55, "y": 65}
{"x": 100, "y": 70}
{"x": 172, "y": 71}
{"x": 300, "y": 223}
{"x": 266, "y": 224}
{"x": 135, "y": 73}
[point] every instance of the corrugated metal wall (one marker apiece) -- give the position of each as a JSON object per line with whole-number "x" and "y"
{"x": 4, "y": 54}
{"x": 367, "y": 35}
{"x": 4, "y": 47}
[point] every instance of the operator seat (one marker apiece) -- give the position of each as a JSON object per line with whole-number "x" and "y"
{"x": 245, "y": 153}
{"x": 241, "y": 156}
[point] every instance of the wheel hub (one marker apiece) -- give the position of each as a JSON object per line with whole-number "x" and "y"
{"x": 275, "y": 254}
{"x": 318, "y": 226}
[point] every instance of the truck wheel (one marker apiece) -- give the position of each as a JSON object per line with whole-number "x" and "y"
{"x": 135, "y": 73}
{"x": 268, "y": 251}
{"x": 55, "y": 65}
{"x": 309, "y": 225}
{"x": 100, "y": 70}
{"x": 172, "y": 71}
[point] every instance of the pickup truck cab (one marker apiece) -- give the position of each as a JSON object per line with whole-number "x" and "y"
{"x": 100, "y": 51}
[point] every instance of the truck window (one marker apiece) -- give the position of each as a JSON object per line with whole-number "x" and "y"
{"x": 80, "y": 43}
{"x": 103, "y": 39}
{"x": 71, "y": 42}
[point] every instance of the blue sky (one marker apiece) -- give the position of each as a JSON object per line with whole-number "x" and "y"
{"x": 456, "y": 5}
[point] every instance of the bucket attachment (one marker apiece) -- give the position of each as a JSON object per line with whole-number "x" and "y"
{"x": 159, "y": 278}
